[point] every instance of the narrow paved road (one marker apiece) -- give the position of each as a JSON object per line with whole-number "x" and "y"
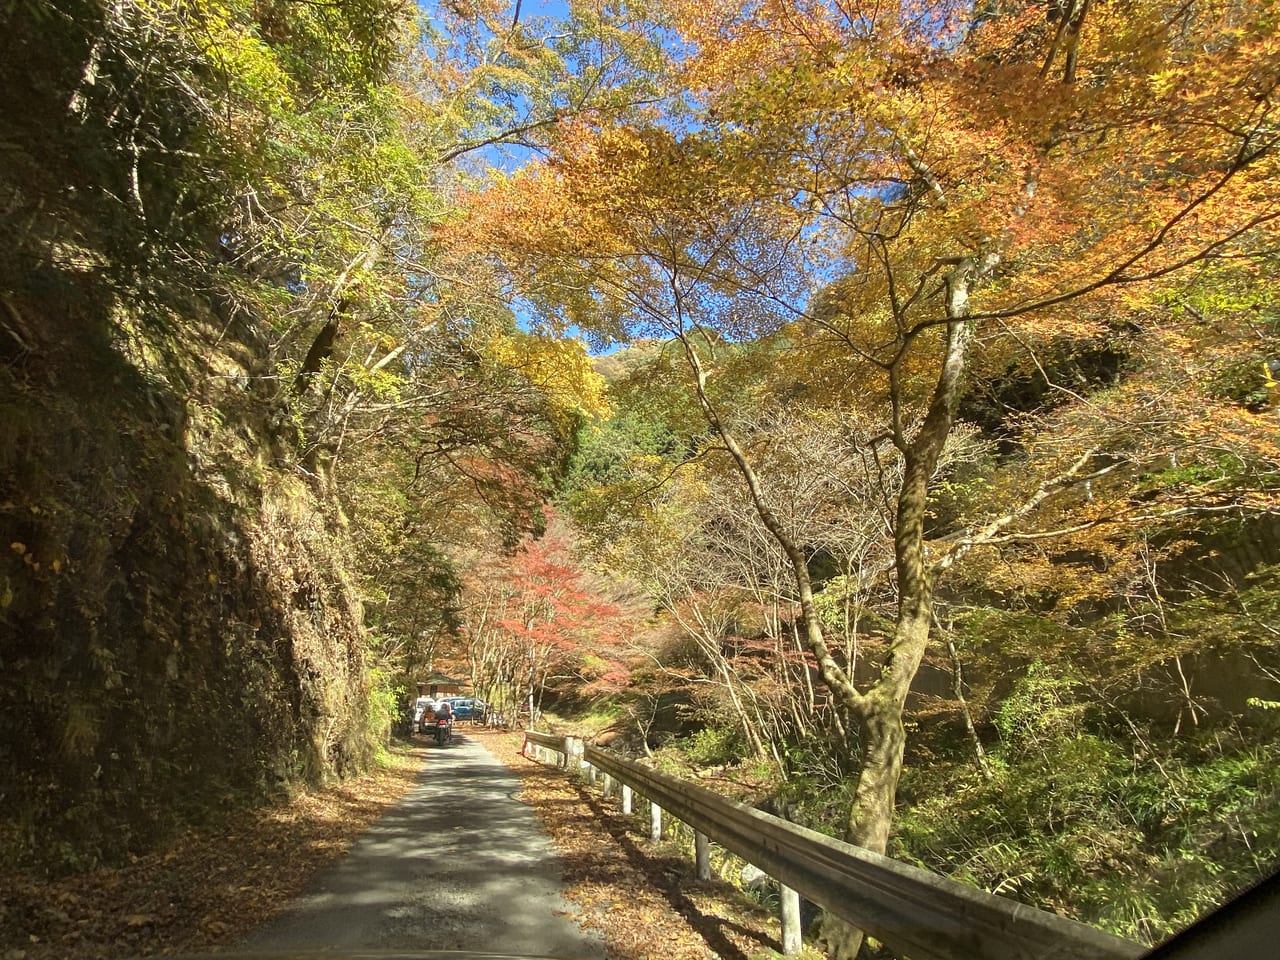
{"x": 459, "y": 864}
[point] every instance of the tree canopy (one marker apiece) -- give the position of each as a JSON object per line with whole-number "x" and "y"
{"x": 929, "y": 443}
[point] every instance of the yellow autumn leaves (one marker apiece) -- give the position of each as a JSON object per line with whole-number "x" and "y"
{"x": 560, "y": 369}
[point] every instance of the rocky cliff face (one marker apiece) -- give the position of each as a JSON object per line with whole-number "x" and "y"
{"x": 177, "y": 630}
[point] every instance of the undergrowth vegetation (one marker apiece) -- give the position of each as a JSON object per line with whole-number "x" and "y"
{"x": 1114, "y": 761}
{"x": 1140, "y": 842}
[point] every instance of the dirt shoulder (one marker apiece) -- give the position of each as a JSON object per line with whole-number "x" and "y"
{"x": 207, "y": 890}
{"x": 643, "y": 896}
{"x": 211, "y": 889}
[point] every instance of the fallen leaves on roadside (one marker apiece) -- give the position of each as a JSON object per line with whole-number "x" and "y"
{"x": 207, "y": 889}
{"x": 642, "y": 896}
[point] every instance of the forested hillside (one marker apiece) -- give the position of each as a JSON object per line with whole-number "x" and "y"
{"x": 247, "y": 403}
{"x": 925, "y": 484}
{"x": 949, "y": 458}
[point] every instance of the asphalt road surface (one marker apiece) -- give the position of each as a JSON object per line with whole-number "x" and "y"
{"x": 458, "y": 864}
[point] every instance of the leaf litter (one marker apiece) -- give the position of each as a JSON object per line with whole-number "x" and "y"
{"x": 210, "y": 889}
{"x": 643, "y": 896}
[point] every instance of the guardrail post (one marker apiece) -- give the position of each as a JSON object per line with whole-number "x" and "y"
{"x": 573, "y": 758}
{"x": 655, "y": 821}
{"x": 566, "y": 751}
{"x": 608, "y": 786}
{"x": 702, "y": 855}
{"x": 791, "y": 940}
{"x": 626, "y": 799}
{"x": 591, "y": 773}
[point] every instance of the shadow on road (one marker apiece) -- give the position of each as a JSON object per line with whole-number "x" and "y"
{"x": 457, "y": 864}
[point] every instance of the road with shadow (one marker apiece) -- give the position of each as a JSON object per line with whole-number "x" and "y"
{"x": 458, "y": 864}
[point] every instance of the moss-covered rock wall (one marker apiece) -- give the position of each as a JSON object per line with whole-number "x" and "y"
{"x": 177, "y": 630}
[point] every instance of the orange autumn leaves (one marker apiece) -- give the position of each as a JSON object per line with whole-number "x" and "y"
{"x": 1159, "y": 155}
{"x": 1073, "y": 179}
{"x": 867, "y": 152}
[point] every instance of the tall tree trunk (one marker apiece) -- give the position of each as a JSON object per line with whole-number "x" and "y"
{"x": 884, "y": 740}
{"x": 871, "y": 814}
{"x": 880, "y": 709}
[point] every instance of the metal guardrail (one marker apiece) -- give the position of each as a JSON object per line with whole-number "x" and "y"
{"x": 912, "y": 910}
{"x": 565, "y": 746}
{"x": 548, "y": 740}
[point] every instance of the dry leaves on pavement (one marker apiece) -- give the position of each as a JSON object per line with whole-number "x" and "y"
{"x": 210, "y": 889}
{"x": 207, "y": 889}
{"x": 643, "y": 896}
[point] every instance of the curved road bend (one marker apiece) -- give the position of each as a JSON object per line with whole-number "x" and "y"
{"x": 458, "y": 864}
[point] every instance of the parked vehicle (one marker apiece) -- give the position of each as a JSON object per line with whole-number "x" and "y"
{"x": 468, "y": 708}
